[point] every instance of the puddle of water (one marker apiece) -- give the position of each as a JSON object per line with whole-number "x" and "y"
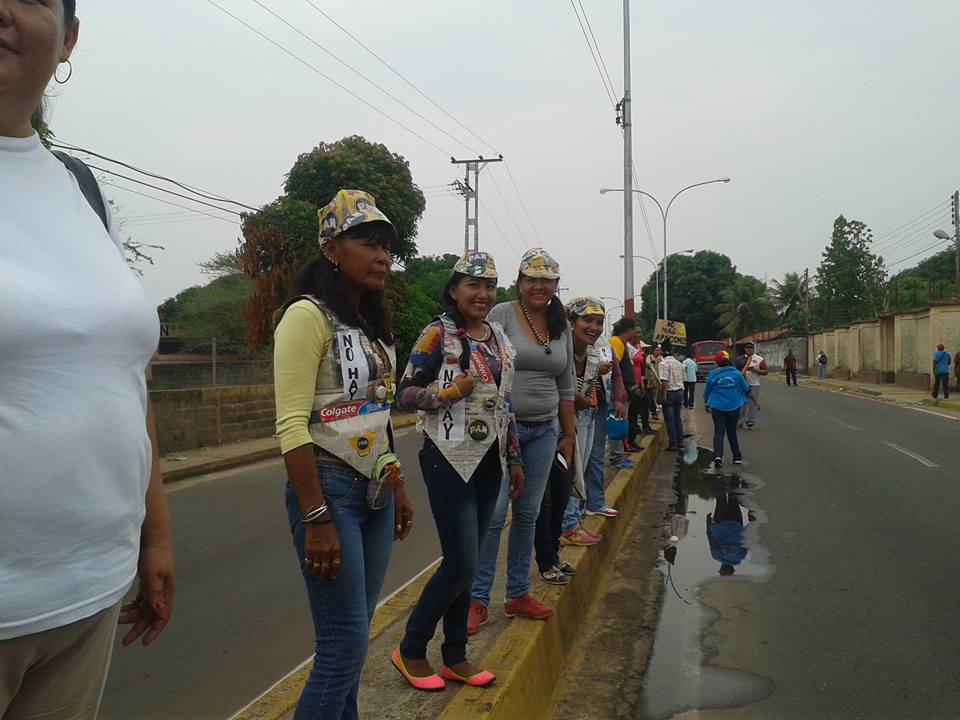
{"x": 710, "y": 534}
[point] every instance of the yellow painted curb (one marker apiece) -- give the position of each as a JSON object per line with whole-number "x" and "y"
{"x": 948, "y": 404}
{"x": 529, "y": 657}
{"x": 841, "y": 387}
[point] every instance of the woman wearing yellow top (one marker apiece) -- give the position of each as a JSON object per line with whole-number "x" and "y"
{"x": 334, "y": 364}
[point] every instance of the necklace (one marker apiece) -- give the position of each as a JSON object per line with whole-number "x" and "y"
{"x": 536, "y": 333}
{"x": 484, "y": 339}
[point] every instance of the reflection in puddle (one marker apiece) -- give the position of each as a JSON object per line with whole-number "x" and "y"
{"x": 710, "y": 534}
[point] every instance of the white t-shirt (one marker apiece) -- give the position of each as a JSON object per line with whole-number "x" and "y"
{"x": 754, "y": 361}
{"x": 76, "y": 333}
{"x": 671, "y": 372}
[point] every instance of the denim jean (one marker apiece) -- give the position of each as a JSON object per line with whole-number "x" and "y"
{"x": 586, "y": 427}
{"x": 748, "y": 413}
{"x": 553, "y": 506}
{"x": 343, "y": 608}
{"x": 725, "y": 423}
{"x": 671, "y": 416}
{"x": 821, "y": 370}
{"x": 689, "y": 393}
{"x": 593, "y": 476}
{"x": 462, "y": 512}
{"x": 942, "y": 379}
{"x": 538, "y": 445}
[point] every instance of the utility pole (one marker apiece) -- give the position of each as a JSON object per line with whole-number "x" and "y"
{"x": 627, "y": 126}
{"x": 806, "y": 312}
{"x": 955, "y": 212}
{"x": 471, "y": 191}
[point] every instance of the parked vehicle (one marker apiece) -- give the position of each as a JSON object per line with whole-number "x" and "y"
{"x": 703, "y": 352}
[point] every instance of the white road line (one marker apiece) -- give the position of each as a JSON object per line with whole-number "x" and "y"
{"x": 310, "y": 659}
{"x": 889, "y": 403}
{"x": 919, "y": 458}
{"x": 843, "y": 424}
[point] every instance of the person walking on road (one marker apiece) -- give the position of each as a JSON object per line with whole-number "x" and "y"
{"x": 543, "y": 391}
{"x": 671, "y": 379}
{"x": 956, "y": 369}
{"x": 941, "y": 372}
{"x": 822, "y": 361}
{"x": 460, "y": 376}
{"x": 790, "y": 368}
{"x": 333, "y": 371}
{"x": 83, "y": 511}
{"x": 752, "y": 367}
{"x": 689, "y": 382}
{"x": 724, "y": 394}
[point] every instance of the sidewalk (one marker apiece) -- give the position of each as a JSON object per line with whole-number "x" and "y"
{"x": 528, "y": 657}
{"x": 190, "y": 463}
{"x": 886, "y": 393}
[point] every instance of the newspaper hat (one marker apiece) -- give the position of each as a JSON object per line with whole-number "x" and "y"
{"x": 537, "y": 262}
{"x": 347, "y": 210}
{"x": 585, "y": 305}
{"x": 476, "y": 264}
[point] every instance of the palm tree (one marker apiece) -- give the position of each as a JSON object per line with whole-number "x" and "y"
{"x": 746, "y": 308}
{"x": 788, "y": 296}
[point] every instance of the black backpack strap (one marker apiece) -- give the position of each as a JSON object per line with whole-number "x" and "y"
{"x": 88, "y": 184}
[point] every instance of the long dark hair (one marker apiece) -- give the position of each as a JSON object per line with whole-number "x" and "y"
{"x": 556, "y": 313}
{"x": 451, "y": 309}
{"x": 38, "y": 120}
{"x": 320, "y": 278}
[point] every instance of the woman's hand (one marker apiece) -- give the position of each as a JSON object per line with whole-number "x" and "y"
{"x": 516, "y": 481}
{"x": 321, "y": 550}
{"x": 581, "y": 402}
{"x": 464, "y": 383}
{"x": 707, "y": 410}
{"x": 150, "y": 611}
{"x": 621, "y": 410}
{"x": 603, "y": 368}
{"x": 565, "y": 448}
{"x": 403, "y": 513}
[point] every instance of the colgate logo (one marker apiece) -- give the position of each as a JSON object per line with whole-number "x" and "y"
{"x": 339, "y": 412}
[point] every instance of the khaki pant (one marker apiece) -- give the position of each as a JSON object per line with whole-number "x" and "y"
{"x": 57, "y": 674}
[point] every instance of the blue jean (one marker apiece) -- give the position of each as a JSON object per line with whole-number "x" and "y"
{"x": 821, "y": 370}
{"x": 586, "y": 427}
{"x": 538, "y": 445}
{"x": 725, "y": 423}
{"x": 343, "y": 608}
{"x": 462, "y": 512}
{"x": 593, "y": 476}
{"x": 671, "y": 416}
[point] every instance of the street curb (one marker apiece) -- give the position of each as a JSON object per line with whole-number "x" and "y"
{"x": 942, "y": 403}
{"x": 227, "y": 463}
{"x": 839, "y": 387}
{"x": 529, "y": 657}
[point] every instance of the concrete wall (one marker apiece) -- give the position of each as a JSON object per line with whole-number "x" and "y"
{"x": 205, "y": 417}
{"x": 774, "y": 351}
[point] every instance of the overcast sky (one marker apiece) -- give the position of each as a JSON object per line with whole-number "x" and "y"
{"x": 814, "y": 109}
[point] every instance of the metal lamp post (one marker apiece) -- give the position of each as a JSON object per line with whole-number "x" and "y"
{"x": 656, "y": 273}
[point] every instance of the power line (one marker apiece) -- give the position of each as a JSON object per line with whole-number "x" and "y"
{"x": 597, "y": 46}
{"x": 505, "y": 206}
{"x": 399, "y": 75}
{"x": 202, "y": 193}
{"x": 506, "y": 167}
{"x": 610, "y": 96}
{"x": 330, "y": 79}
{"x": 161, "y": 189}
{"x": 357, "y": 72}
{"x": 643, "y": 212}
{"x": 895, "y": 231}
{"x": 919, "y": 252}
{"x": 917, "y": 233}
{"x": 166, "y": 202}
{"x": 497, "y": 226}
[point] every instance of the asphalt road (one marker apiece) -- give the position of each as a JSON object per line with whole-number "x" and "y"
{"x": 241, "y": 620}
{"x": 857, "y": 505}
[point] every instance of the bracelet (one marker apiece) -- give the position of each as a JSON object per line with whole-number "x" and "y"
{"x": 314, "y": 514}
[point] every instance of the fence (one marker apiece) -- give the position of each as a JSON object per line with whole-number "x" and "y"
{"x": 173, "y": 372}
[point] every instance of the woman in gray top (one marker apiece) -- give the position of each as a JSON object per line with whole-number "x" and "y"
{"x": 543, "y": 389}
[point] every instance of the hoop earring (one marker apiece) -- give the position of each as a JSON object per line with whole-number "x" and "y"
{"x": 69, "y": 73}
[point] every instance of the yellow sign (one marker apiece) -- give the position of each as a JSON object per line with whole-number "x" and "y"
{"x": 363, "y": 443}
{"x": 675, "y": 332}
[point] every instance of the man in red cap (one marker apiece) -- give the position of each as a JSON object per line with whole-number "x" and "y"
{"x": 941, "y": 372}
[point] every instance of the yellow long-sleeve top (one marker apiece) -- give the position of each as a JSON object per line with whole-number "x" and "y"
{"x": 300, "y": 344}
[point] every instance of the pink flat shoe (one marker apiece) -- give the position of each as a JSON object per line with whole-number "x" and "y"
{"x": 481, "y": 679}
{"x": 429, "y": 683}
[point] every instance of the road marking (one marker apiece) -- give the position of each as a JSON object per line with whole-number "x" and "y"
{"x": 919, "y": 458}
{"x": 187, "y": 483}
{"x": 888, "y": 403}
{"x": 843, "y": 424}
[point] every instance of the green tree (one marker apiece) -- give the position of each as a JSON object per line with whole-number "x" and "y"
{"x": 695, "y": 282}
{"x": 788, "y": 299}
{"x": 211, "y": 311}
{"x": 280, "y": 237}
{"x": 850, "y": 279}
{"x": 429, "y": 274}
{"x": 745, "y": 308}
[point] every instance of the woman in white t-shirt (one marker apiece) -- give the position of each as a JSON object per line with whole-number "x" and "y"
{"x": 82, "y": 506}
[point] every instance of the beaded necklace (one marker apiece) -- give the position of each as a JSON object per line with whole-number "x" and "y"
{"x": 545, "y": 344}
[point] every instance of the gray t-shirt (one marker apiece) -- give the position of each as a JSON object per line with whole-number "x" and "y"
{"x": 541, "y": 381}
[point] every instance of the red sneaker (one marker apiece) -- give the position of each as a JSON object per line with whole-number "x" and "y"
{"x": 476, "y": 616}
{"x": 526, "y": 606}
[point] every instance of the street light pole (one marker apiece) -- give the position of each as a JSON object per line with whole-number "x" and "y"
{"x": 627, "y": 169}
{"x": 656, "y": 275}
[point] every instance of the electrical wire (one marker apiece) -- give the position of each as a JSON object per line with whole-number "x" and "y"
{"x": 166, "y": 202}
{"x": 161, "y": 189}
{"x": 610, "y": 96}
{"x": 202, "y": 193}
{"x": 516, "y": 188}
{"x": 643, "y": 212}
{"x": 360, "y": 74}
{"x": 919, "y": 252}
{"x": 597, "y": 46}
{"x": 884, "y": 236}
{"x": 919, "y": 232}
{"x": 497, "y": 226}
{"x": 505, "y": 206}
{"x": 400, "y": 75}
{"x": 330, "y": 79}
